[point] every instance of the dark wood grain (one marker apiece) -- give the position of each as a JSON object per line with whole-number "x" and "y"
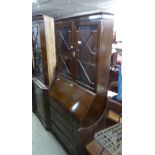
{"x": 42, "y": 106}
{"x": 43, "y": 44}
{"x": 82, "y": 103}
{"x": 78, "y": 95}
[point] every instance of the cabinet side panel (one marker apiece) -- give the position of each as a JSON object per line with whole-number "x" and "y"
{"x": 44, "y": 52}
{"x": 50, "y": 47}
{"x": 104, "y": 55}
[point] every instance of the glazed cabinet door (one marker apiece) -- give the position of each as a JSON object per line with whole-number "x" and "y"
{"x": 64, "y": 46}
{"x": 87, "y": 39}
{"x": 37, "y": 52}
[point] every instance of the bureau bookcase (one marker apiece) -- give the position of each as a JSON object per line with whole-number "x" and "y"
{"x": 77, "y": 97}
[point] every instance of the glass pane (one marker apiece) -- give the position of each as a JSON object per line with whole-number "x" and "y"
{"x": 86, "y": 55}
{"x": 38, "y": 71}
{"x": 63, "y": 48}
{"x": 86, "y": 43}
{"x": 85, "y": 74}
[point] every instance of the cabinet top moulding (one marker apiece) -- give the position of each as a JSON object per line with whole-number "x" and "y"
{"x": 39, "y": 17}
{"x": 89, "y": 16}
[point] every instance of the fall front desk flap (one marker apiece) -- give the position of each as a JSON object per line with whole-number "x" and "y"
{"x": 83, "y": 104}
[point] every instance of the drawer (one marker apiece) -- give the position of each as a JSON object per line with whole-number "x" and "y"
{"x": 54, "y": 115}
{"x": 71, "y": 136}
{"x": 64, "y": 140}
{"x": 66, "y": 115}
{"x": 73, "y": 139}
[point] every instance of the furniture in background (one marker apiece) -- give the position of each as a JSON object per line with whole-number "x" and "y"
{"x": 44, "y": 62}
{"x": 113, "y": 77}
{"x": 110, "y": 139}
{"x": 107, "y": 141}
{"x": 116, "y": 61}
{"x": 114, "y": 112}
{"x": 113, "y": 117}
{"x": 78, "y": 95}
{"x": 93, "y": 148}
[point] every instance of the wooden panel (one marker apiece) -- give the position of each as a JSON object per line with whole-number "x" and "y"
{"x": 50, "y": 47}
{"x": 42, "y": 107}
{"x": 39, "y": 100}
{"x": 104, "y": 55}
{"x": 64, "y": 126}
{"x": 64, "y": 140}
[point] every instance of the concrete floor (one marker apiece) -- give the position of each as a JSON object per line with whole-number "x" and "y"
{"x": 43, "y": 142}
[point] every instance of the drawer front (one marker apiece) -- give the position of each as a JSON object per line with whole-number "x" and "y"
{"x": 55, "y": 115}
{"x": 68, "y": 131}
{"x": 66, "y": 115}
{"x": 70, "y": 148}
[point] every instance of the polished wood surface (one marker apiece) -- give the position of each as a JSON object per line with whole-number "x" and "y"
{"x": 82, "y": 103}
{"x": 72, "y": 97}
{"x": 50, "y": 47}
{"x": 78, "y": 95}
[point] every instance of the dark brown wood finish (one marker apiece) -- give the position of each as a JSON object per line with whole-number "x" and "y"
{"x": 42, "y": 106}
{"x": 39, "y": 22}
{"x": 78, "y": 99}
{"x": 83, "y": 104}
{"x": 104, "y": 56}
{"x": 43, "y": 42}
